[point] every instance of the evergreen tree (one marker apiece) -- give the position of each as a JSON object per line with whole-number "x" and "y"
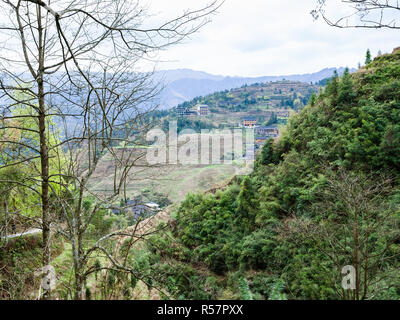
{"x": 332, "y": 87}
{"x": 246, "y": 206}
{"x": 346, "y": 92}
{"x": 368, "y": 58}
{"x": 313, "y": 99}
{"x": 267, "y": 153}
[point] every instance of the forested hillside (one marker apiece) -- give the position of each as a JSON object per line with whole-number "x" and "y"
{"x": 325, "y": 196}
{"x": 228, "y": 108}
{"x": 280, "y": 94}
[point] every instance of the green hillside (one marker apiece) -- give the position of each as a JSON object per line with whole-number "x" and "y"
{"x": 259, "y": 96}
{"x": 325, "y": 196}
{"x": 260, "y": 101}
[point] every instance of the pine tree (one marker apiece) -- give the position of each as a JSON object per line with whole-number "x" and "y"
{"x": 332, "y": 88}
{"x": 313, "y": 99}
{"x": 246, "y": 206}
{"x": 334, "y": 83}
{"x": 368, "y": 58}
{"x": 267, "y": 153}
{"x": 346, "y": 92}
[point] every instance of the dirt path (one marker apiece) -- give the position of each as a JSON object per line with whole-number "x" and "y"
{"x": 28, "y": 232}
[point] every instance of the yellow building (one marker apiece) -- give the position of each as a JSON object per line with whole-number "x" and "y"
{"x": 249, "y": 122}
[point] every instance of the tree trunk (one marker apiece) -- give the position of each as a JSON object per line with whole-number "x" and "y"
{"x": 44, "y": 156}
{"x": 6, "y": 220}
{"x": 77, "y": 263}
{"x": 79, "y": 246}
{"x": 356, "y": 256}
{"x": 78, "y": 286}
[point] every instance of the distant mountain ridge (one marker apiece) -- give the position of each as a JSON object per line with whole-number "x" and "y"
{"x": 185, "y": 84}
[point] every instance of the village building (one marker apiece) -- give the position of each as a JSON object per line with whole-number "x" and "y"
{"x": 267, "y": 132}
{"x": 199, "y": 110}
{"x": 186, "y": 112}
{"x": 202, "y": 110}
{"x": 139, "y": 210}
{"x": 282, "y": 113}
{"x": 249, "y": 122}
{"x": 191, "y": 113}
{"x": 181, "y": 111}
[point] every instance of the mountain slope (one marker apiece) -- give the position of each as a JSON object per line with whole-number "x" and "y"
{"x": 258, "y": 97}
{"x": 185, "y": 84}
{"x": 269, "y": 103}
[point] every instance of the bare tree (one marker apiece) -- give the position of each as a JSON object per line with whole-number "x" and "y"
{"x": 52, "y": 53}
{"x": 373, "y": 14}
{"x": 357, "y": 227}
{"x": 106, "y": 145}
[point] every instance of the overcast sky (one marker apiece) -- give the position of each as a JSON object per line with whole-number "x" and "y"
{"x": 268, "y": 37}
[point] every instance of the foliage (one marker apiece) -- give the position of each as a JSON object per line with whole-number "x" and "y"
{"x": 368, "y": 58}
{"x": 245, "y": 290}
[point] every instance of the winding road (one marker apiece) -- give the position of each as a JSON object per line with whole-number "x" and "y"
{"x": 28, "y": 232}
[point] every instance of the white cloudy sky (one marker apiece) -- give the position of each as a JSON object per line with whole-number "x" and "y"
{"x": 268, "y": 37}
